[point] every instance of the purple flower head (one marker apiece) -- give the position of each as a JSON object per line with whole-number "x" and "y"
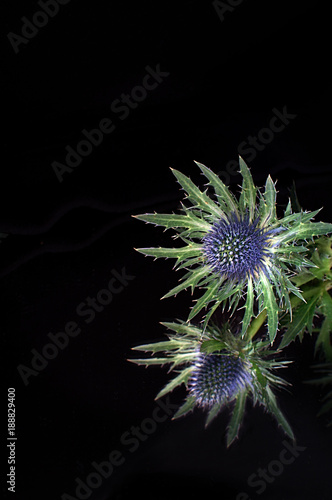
{"x": 237, "y": 248}
{"x": 218, "y": 378}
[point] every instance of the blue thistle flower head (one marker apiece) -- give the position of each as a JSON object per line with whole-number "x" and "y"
{"x": 237, "y": 248}
{"x": 218, "y": 379}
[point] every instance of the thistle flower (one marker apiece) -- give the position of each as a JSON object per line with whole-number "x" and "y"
{"x": 218, "y": 379}
{"x": 237, "y": 248}
{"x": 219, "y": 370}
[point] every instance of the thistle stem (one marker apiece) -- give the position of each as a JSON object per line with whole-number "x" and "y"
{"x": 255, "y": 325}
{"x": 258, "y": 322}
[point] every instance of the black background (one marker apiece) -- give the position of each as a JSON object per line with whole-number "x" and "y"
{"x": 64, "y": 238}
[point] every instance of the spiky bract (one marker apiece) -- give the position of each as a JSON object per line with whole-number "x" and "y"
{"x": 273, "y": 248}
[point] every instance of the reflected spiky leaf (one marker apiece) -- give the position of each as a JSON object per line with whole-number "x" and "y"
{"x": 219, "y": 369}
{"x": 237, "y": 417}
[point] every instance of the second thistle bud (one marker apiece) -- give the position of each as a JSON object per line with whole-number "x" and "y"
{"x": 218, "y": 378}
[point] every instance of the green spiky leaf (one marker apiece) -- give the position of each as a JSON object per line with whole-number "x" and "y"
{"x": 194, "y": 278}
{"x": 302, "y": 319}
{"x": 267, "y": 208}
{"x": 249, "y": 308}
{"x": 248, "y": 193}
{"x": 167, "y": 345}
{"x": 189, "y": 221}
{"x": 172, "y": 253}
{"x": 324, "y": 337}
{"x": 236, "y": 419}
{"x": 273, "y": 408}
{"x": 186, "y": 408}
{"x": 196, "y": 196}
{"x": 182, "y": 378}
{"x": 210, "y": 346}
{"x": 213, "y": 412}
{"x": 271, "y": 306}
{"x": 205, "y": 299}
{"x": 225, "y": 197}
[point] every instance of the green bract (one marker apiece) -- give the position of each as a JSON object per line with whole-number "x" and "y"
{"x": 238, "y": 248}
